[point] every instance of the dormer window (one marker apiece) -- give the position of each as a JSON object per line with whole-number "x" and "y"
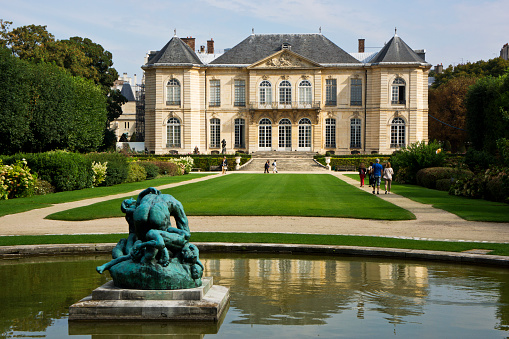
{"x": 286, "y": 45}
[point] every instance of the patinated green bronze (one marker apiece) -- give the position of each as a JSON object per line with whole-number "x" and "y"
{"x": 155, "y": 255}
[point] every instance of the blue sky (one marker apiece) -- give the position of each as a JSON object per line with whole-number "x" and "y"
{"x": 451, "y": 31}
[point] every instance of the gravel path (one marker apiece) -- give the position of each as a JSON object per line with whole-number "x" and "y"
{"x": 431, "y": 223}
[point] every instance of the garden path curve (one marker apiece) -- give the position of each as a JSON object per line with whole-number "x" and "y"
{"x": 430, "y": 223}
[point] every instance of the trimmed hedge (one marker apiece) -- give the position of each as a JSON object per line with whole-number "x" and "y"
{"x": 117, "y": 168}
{"x": 136, "y": 172}
{"x": 428, "y": 177}
{"x": 352, "y": 160}
{"x": 201, "y": 161}
{"x": 150, "y": 168}
{"x": 65, "y": 171}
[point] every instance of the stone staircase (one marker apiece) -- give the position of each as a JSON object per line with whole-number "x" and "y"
{"x": 286, "y": 162}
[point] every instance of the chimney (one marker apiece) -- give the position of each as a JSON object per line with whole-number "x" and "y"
{"x": 210, "y": 46}
{"x": 202, "y": 49}
{"x": 361, "y": 45}
{"x": 190, "y": 42}
{"x": 439, "y": 69}
{"x": 124, "y": 77}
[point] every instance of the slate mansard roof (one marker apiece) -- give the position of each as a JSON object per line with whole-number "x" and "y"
{"x": 314, "y": 47}
{"x": 396, "y": 51}
{"x": 175, "y": 51}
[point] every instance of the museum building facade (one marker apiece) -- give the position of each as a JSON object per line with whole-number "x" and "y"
{"x": 285, "y": 92}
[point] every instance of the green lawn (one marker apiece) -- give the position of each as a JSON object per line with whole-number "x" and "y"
{"x": 316, "y": 195}
{"x": 19, "y": 205}
{"x": 312, "y": 239}
{"x": 468, "y": 209}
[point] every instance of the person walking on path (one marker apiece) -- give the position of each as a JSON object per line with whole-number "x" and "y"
{"x": 377, "y": 175}
{"x": 370, "y": 175}
{"x": 362, "y": 173}
{"x": 267, "y": 166}
{"x": 274, "y": 169}
{"x": 224, "y": 165}
{"x": 388, "y": 173}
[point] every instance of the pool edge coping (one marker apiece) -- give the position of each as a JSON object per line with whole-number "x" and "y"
{"x": 10, "y": 252}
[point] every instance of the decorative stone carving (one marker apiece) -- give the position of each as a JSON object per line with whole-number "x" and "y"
{"x": 284, "y": 60}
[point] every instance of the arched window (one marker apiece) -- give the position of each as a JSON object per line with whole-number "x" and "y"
{"x": 215, "y": 133}
{"x": 397, "y": 132}
{"x": 265, "y": 135}
{"x": 173, "y": 92}
{"x": 285, "y": 92}
{"x": 265, "y": 93}
{"x": 173, "y": 132}
{"x": 330, "y": 133}
{"x": 240, "y": 133}
{"x": 305, "y": 134}
{"x": 355, "y": 133}
{"x": 398, "y": 92}
{"x": 305, "y": 93}
{"x": 285, "y": 135}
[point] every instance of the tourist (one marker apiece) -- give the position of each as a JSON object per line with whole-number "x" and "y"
{"x": 370, "y": 175}
{"x": 224, "y": 165}
{"x": 267, "y": 166}
{"x": 377, "y": 174}
{"x": 274, "y": 169}
{"x": 362, "y": 173}
{"x": 388, "y": 173}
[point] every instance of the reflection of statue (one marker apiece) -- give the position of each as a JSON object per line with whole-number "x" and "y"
{"x": 223, "y": 144}
{"x": 155, "y": 255}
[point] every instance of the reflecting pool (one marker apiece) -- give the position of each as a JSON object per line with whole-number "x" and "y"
{"x": 283, "y": 296}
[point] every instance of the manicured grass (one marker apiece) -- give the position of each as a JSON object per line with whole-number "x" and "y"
{"x": 468, "y": 209}
{"x": 19, "y": 205}
{"x": 314, "y": 195}
{"x": 312, "y": 239}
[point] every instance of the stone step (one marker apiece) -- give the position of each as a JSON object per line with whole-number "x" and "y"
{"x": 283, "y": 165}
{"x": 283, "y": 154}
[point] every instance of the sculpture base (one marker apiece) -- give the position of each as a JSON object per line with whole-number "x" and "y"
{"x": 204, "y": 303}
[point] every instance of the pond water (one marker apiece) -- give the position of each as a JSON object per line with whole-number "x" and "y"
{"x": 284, "y": 296}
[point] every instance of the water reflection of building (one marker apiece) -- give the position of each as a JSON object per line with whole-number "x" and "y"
{"x": 279, "y": 290}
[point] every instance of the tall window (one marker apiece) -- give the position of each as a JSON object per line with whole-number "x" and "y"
{"x": 330, "y": 133}
{"x": 398, "y": 92}
{"x": 173, "y": 92}
{"x": 356, "y": 92}
{"x": 397, "y": 132}
{"x": 265, "y": 93}
{"x": 240, "y": 133}
{"x": 215, "y": 93}
{"x": 305, "y": 133}
{"x": 285, "y": 92}
{"x": 173, "y": 132}
{"x": 265, "y": 134}
{"x": 331, "y": 91}
{"x": 305, "y": 92}
{"x": 285, "y": 134}
{"x": 215, "y": 133}
{"x": 355, "y": 133}
{"x": 240, "y": 93}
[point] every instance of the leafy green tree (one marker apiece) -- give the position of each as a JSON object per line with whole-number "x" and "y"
{"x": 494, "y": 67}
{"x": 25, "y": 41}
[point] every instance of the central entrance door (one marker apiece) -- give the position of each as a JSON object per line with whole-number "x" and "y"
{"x": 265, "y": 135}
{"x": 285, "y": 135}
{"x": 304, "y": 134}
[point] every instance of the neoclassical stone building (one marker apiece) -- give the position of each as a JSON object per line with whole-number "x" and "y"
{"x": 285, "y": 92}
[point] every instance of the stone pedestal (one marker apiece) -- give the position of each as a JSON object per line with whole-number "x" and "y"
{"x": 205, "y": 303}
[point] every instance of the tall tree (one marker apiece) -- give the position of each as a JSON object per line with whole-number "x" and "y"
{"x": 446, "y": 103}
{"x": 494, "y": 67}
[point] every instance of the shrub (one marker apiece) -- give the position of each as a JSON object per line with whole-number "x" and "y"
{"x": 66, "y": 171}
{"x": 428, "y": 177}
{"x": 503, "y": 149}
{"x": 444, "y": 184}
{"x": 415, "y": 157}
{"x": 100, "y": 170}
{"x": 43, "y": 187}
{"x": 16, "y": 180}
{"x": 117, "y": 170}
{"x": 491, "y": 185}
{"x": 136, "y": 172}
{"x": 186, "y": 163}
{"x": 150, "y": 168}
{"x": 478, "y": 161}
{"x": 168, "y": 168}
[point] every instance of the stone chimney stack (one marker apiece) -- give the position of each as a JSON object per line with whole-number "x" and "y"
{"x": 361, "y": 45}
{"x": 202, "y": 49}
{"x": 210, "y": 46}
{"x": 190, "y": 41}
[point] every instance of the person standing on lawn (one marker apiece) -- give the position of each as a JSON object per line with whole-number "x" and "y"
{"x": 267, "y": 166}
{"x": 377, "y": 174}
{"x": 388, "y": 173}
{"x": 274, "y": 169}
{"x": 362, "y": 173}
{"x": 224, "y": 165}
